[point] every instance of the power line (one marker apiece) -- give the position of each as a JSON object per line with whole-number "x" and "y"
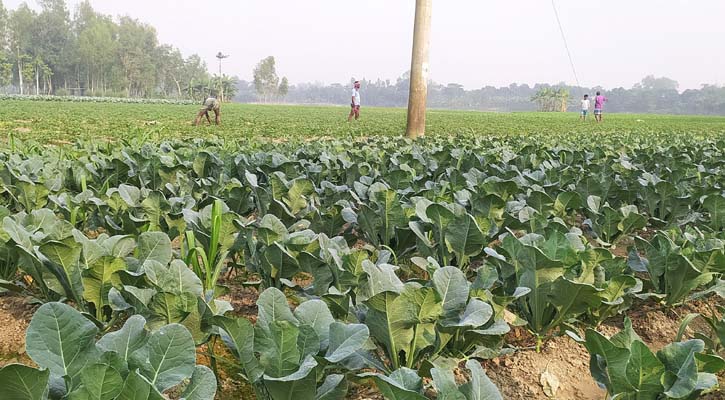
{"x": 566, "y": 44}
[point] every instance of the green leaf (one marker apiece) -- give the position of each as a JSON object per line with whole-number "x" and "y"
{"x": 644, "y": 371}
{"x": 381, "y": 278}
{"x": 390, "y": 324}
{"x": 299, "y": 385}
{"x": 137, "y": 387}
{"x": 98, "y": 382}
{"x": 464, "y": 238}
{"x": 334, "y": 388}
{"x": 271, "y": 230}
{"x": 445, "y": 384}
{"x": 403, "y": 384}
{"x": 172, "y": 356}
{"x": 715, "y": 204}
{"x": 99, "y": 279}
{"x": 481, "y": 387}
{"x": 273, "y": 307}
{"x": 316, "y": 314}
{"x": 278, "y": 348}
{"x": 202, "y": 386}
{"x": 19, "y": 382}
{"x": 608, "y": 362}
{"x": 345, "y": 340}
{"x": 176, "y": 278}
{"x": 477, "y": 313}
{"x": 126, "y": 341}
{"x": 65, "y": 257}
{"x": 680, "y": 378}
{"x": 154, "y": 246}
{"x": 452, "y": 286}
{"x": 60, "y": 339}
{"x": 238, "y": 335}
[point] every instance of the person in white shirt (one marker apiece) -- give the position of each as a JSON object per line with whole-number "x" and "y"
{"x": 355, "y": 104}
{"x": 585, "y": 108}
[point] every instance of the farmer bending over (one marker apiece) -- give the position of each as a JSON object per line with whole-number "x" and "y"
{"x": 210, "y": 104}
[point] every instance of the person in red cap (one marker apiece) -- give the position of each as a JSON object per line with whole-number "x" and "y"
{"x": 355, "y": 104}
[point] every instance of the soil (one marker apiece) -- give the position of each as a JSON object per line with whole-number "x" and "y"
{"x": 15, "y": 314}
{"x": 518, "y": 376}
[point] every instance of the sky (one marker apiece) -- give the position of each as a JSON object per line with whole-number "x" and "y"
{"x": 475, "y": 43}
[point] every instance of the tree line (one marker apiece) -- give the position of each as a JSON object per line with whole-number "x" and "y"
{"x": 54, "y": 51}
{"x": 651, "y": 95}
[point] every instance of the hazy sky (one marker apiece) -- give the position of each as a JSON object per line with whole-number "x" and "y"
{"x": 475, "y": 42}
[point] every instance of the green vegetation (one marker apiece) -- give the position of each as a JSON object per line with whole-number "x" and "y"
{"x": 377, "y": 259}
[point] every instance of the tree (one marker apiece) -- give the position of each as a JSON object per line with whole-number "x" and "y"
{"x": 552, "y": 100}
{"x": 283, "y": 88}
{"x": 21, "y": 25}
{"x": 266, "y": 81}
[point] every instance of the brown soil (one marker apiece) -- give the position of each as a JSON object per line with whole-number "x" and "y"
{"x": 15, "y": 314}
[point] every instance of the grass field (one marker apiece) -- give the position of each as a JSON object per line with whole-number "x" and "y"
{"x": 71, "y": 121}
{"x": 294, "y": 255}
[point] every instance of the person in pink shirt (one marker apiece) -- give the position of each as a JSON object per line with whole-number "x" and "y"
{"x": 599, "y": 101}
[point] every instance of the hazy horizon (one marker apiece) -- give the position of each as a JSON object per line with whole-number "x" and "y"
{"x": 614, "y": 44}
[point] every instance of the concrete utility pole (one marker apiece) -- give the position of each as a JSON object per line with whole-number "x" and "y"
{"x": 419, "y": 70}
{"x": 221, "y": 56}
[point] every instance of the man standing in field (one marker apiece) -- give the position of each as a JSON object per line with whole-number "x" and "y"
{"x": 599, "y": 106}
{"x": 211, "y": 103}
{"x": 585, "y": 108}
{"x": 355, "y": 103}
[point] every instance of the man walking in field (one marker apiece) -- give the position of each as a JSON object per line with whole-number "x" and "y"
{"x": 355, "y": 103}
{"x": 211, "y": 103}
{"x": 599, "y": 106}
{"x": 585, "y": 108}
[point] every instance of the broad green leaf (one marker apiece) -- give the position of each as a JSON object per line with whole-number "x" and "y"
{"x": 445, "y": 384}
{"x": 480, "y": 387}
{"x": 381, "y": 278}
{"x": 278, "y": 347}
{"x": 333, "y": 388}
{"x": 345, "y": 340}
{"x": 316, "y": 314}
{"x": 238, "y": 335}
{"x": 390, "y": 323}
{"x": 127, "y": 340}
{"x": 19, "y": 382}
{"x": 464, "y": 238}
{"x": 644, "y": 371}
{"x": 273, "y": 307}
{"x": 172, "y": 356}
{"x": 452, "y": 287}
{"x": 99, "y": 279}
{"x": 608, "y": 362}
{"x": 137, "y": 387}
{"x": 477, "y": 313}
{"x": 299, "y": 385}
{"x": 154, "y": 246}
{"x": 680, "y": 378}
{"x": 61, "y": 339}
{"x": 403, "y": 384}
{"x": 202, "y": 385}
{"x": 271, "y": 230}
{"x": 98, "y": 382}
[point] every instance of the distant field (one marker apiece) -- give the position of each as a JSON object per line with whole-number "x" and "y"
{"x": 69, "y": 121}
